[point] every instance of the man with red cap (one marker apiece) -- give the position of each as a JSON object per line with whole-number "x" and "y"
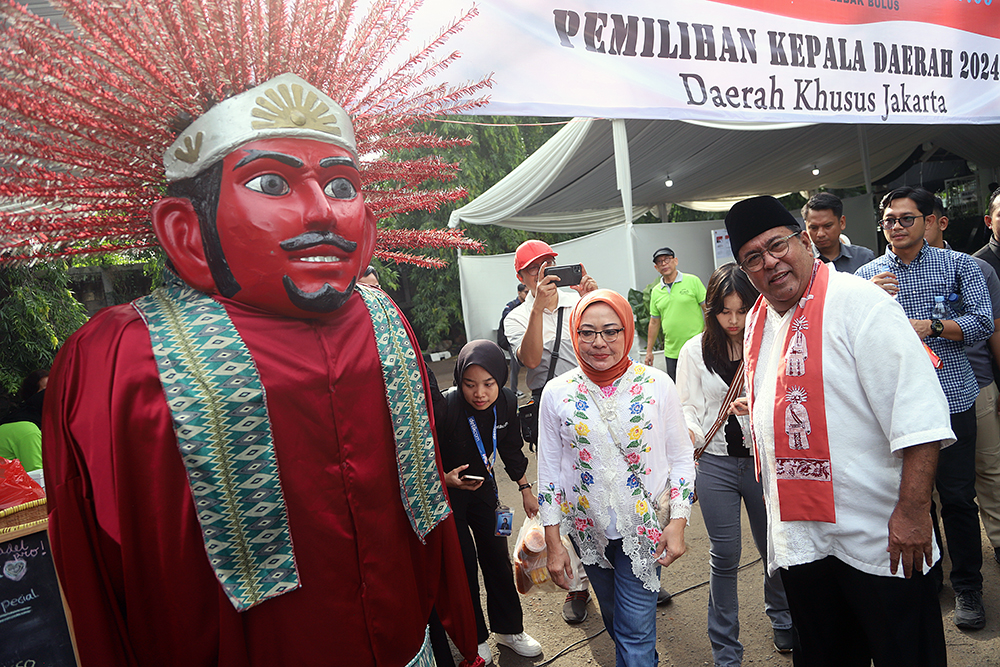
{"x": 531, "y": 327}
{"x": 847, "y": 420}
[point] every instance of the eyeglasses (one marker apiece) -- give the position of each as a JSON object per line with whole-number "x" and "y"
{"x": 778, "y": 249}
{"x": 663, "y": 259}
{"x": 904, "y": 221}
{"x": 590, "y": 335}
{"x": 533, "y": 270}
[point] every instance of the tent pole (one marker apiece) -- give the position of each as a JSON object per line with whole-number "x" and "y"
{"x": 466, "y": 307}
{"x": 865, "y": 164}
{"x": 623, "y": 171}
{"x": 663, "y": 210}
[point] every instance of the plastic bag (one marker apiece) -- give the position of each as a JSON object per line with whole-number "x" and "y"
{"x": 16, "y": 487}
{"x": 530, "y": 557}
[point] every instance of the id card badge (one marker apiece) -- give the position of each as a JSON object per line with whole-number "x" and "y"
{"x": 505, "y": 519}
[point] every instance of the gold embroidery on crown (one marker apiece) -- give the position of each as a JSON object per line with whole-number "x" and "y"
{"x": 191, "y": 151}
{"x": 283, "y": 108}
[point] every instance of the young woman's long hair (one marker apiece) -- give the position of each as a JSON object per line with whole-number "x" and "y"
{"x": 727, "y": 279}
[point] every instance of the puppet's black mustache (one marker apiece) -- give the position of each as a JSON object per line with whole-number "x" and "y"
{"x": 313, "y": 239}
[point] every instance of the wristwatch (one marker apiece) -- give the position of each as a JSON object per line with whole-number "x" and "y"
{"x": 936, "y": 328}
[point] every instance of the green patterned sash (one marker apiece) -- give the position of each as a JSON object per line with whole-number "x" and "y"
{"x": 420, "y": 484}
{"x": 219, "y": 411}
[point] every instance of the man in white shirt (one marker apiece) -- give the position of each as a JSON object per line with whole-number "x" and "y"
{"x": 847, "y": 421}
{"x": 531, "y": 327}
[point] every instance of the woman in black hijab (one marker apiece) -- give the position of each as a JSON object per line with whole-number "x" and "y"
{"x": 475, "y": 421}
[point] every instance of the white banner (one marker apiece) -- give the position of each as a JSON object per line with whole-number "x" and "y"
{"x": 831, "y": 61}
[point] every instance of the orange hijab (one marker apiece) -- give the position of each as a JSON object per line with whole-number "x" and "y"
{"x": 622, "y": 308}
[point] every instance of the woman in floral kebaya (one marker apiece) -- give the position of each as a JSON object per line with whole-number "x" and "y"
{"x": 612, "y": 439}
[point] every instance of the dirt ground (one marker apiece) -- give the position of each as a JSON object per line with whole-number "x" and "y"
{"x": 682, "y": 639}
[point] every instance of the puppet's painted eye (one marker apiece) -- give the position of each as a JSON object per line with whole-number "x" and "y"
{"x": 340, "y": 188}
{"x": 269, "y": 184}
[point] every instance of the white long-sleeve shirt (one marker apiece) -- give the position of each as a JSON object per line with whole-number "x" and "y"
{"x": 701, "y": 392}
{"x": 881, "y": 395}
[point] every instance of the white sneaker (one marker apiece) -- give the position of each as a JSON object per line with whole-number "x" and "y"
{"x": 521, "y": 643}
{"x": 486, "y": 653}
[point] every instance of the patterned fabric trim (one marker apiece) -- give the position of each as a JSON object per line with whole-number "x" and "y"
{"x": 812, "y": 469}
{"x": 419, "y": 481}
{"x": 425, "y": 658}
{"x": 218, "y": 406}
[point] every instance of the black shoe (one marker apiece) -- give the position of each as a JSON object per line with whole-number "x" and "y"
{"x": 969, "y": 611}
{"x": 575, "y": 607}
{"x": 663, "y": 597}
{"x": 996, "y": 554}
{"x": 783, "y": 640}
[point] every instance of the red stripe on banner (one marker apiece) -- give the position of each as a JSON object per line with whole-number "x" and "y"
{"x": 977, "y": 16}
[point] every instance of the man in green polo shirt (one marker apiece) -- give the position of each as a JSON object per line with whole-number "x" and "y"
{"x": 677, "y": 302}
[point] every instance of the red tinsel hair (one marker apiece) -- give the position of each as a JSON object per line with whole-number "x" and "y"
{"x": 85, "y": 116}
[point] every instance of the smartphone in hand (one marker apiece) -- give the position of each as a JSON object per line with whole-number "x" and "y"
{"x": 569, "y": 274}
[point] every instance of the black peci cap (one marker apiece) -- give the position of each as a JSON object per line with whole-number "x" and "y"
{"x": 751, "y": 217}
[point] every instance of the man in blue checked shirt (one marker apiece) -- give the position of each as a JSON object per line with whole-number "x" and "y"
{"x": 915, "y": 272}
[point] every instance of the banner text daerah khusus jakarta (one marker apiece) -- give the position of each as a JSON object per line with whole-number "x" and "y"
{"x": 616, "y": 34}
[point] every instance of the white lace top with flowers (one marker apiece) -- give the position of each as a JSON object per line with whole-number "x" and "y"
{"x": 583, "y": 475}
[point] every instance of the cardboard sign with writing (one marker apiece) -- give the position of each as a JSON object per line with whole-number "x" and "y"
{"x": 34, "y": 621}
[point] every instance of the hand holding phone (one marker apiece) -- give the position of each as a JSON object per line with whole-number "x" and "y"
{"x": 456, "y": 479}
{"x": 569, "y": 274}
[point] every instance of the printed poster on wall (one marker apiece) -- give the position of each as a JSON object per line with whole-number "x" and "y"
{"x": 723, "y": 250}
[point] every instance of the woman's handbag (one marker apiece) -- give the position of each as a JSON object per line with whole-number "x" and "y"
{"x": 735, "y": 389}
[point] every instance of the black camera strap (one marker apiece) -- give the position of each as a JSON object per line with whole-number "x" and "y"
{"x": 555, "y": 348}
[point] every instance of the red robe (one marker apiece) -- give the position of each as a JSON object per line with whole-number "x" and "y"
{"x": 127, "y": 543}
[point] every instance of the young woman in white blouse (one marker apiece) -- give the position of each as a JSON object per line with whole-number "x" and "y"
{"x": 705, "y": 369}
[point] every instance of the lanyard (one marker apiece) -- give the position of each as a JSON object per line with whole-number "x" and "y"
{"x": 479, "y": 441}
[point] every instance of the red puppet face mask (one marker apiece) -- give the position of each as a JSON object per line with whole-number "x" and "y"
{"x": 292, "y": 225}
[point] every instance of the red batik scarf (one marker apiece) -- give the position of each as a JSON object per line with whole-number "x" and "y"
{"x": 801, "y": 444}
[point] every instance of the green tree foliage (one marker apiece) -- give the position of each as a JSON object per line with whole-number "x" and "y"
{"x": 37, "y": 314}
{"x": 133, "y": 273}
{"x": 640, "y": 306}
{"x": 431, "y": 298}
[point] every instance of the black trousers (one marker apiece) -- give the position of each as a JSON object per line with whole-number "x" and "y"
{"x": 439, "y": 642}
{"x": 671, "y": 368}
{"x": 845, "y": 617}
{"x": 476, "y": 523}
{"x": 956, "y": 486}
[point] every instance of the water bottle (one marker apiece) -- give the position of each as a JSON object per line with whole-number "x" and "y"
{"x": 939, "y": 311}
{"x": 954, "y": 303}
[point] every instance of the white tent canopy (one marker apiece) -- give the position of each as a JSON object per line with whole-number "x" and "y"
{"x": 579, "y": 180}
{"x": 588, "y": 175}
